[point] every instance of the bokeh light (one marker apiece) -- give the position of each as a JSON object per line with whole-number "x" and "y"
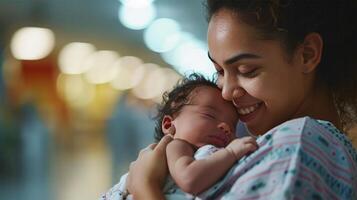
{"x": 130, "y": 71}
{"x": 32, "y": 43}
{"x": 162, "y": 35}
{"x": 152, "y": 84}
{"x": 136, "y": 3}
{"x": 189, "y": 56}
{"x": 71, "y": 57}
{"x": 171, "y": 78}
{"x": 174, "y": 56}
{"x": 101, "y": 67}
{"x": 77, "y": 92}
{"x": 136, "y": 17}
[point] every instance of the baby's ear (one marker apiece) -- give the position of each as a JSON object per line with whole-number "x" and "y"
{"x": 167, "y": 125}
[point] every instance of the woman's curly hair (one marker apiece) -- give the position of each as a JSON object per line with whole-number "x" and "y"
{"x": 173, "y": 101}
{"x": 289, "y": 21}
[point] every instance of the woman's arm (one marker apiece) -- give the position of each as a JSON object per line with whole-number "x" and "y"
{"x": 147, "y": 174}
{"x": 194, "y": 176}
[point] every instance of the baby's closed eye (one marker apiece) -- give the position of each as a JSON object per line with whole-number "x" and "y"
{"x": 208, "y": 115}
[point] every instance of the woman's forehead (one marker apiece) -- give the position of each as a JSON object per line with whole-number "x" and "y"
{"x": 228, "y": 37}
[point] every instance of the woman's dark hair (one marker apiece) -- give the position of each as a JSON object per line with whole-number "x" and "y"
{"x": 173, "y": 101}
{"x": 290, "y": 21}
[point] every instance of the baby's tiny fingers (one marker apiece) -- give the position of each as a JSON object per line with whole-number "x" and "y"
{"x": 248, "y": 139}
{"x": 250, "y": 147}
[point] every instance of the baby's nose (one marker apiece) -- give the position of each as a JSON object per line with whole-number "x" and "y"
{"x": 225, "y": 128}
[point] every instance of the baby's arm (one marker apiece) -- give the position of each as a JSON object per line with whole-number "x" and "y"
{"x": 194, "y": 176}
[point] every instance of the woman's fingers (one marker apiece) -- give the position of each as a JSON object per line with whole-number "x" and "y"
{"x": 148, "y": 148}
{"x": 161, "y": 146}
{"x": 150, "y": 168}
{"x": 152, "y": 146}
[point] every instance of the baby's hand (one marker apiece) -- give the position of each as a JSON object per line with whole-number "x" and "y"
{"x": 241, "y": 146}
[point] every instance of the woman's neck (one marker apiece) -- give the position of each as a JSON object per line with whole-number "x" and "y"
{"x": 320, "y": 105}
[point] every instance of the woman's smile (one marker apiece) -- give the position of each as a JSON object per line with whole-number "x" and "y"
{"x": 248, "y": 109}
{"x": 249, "y": 113}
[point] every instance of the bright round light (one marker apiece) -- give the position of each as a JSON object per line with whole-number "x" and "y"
{"x": 152, "y": 83}
{"x": 190, "y": 56}
{"x": 174, "y": 57}
{"x": 71, "y": 57}
{"x": 162, "y": 35}
{"x": 100, "y": 67}
{"x": 74, "y": 90}
{"x": 32, "y": 43}
{"x": 171, "y": 78}
{"x": 130, "y": 72}
{"x": 138, "y": 17}
{"x": 136, "y": 3}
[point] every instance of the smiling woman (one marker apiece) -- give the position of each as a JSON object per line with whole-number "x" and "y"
{"x": 263, "y": 54}
{"x": 276, "y": 85}
{"x": 281, "y": 63}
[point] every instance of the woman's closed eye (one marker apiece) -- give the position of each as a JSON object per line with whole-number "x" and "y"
{"x": 248, "y": 73}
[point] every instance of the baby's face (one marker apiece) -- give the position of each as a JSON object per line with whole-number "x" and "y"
{"x": 208, "y": 119}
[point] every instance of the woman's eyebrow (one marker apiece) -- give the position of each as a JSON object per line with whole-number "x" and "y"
{"x": 239, "y": 57}
{"x": 236, "y": 58}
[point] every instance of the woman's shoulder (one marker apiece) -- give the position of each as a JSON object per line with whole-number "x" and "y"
{"x": 308, "y": 125}
{"x": 320, "y": 134}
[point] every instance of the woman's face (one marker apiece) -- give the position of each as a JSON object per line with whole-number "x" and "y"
{"x": 266, "y": 85}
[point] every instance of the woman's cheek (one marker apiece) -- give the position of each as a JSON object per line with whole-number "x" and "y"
{"x": 256, "y": 88}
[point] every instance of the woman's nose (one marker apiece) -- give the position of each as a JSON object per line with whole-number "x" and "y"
{"x": 230, "y": 88}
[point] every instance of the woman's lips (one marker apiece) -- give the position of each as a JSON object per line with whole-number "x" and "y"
{"x": 248, "y": 113}
{"x": 244, "y": 110}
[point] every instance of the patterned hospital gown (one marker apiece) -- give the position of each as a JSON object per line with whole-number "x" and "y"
{"x": 300, "y": 159}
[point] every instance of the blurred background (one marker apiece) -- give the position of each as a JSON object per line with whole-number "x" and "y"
{"x": 79, "y": 81}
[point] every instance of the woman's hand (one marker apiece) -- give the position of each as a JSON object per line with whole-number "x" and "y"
{"x": 147, "y": 174}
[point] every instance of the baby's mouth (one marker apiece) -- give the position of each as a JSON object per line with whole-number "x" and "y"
{"x": 220, "y": 139}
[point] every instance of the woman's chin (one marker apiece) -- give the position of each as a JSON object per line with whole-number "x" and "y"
{"x": 256, "y": 131}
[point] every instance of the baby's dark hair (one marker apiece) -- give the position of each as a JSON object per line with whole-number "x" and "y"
{"x": 174, "y": 100}
{"x": 290, "y": 21}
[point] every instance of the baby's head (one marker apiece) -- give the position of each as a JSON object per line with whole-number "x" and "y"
{"x": 197, "y": 113}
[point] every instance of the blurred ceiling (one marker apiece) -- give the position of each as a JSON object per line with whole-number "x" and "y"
{"x": 96, "y": 21}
